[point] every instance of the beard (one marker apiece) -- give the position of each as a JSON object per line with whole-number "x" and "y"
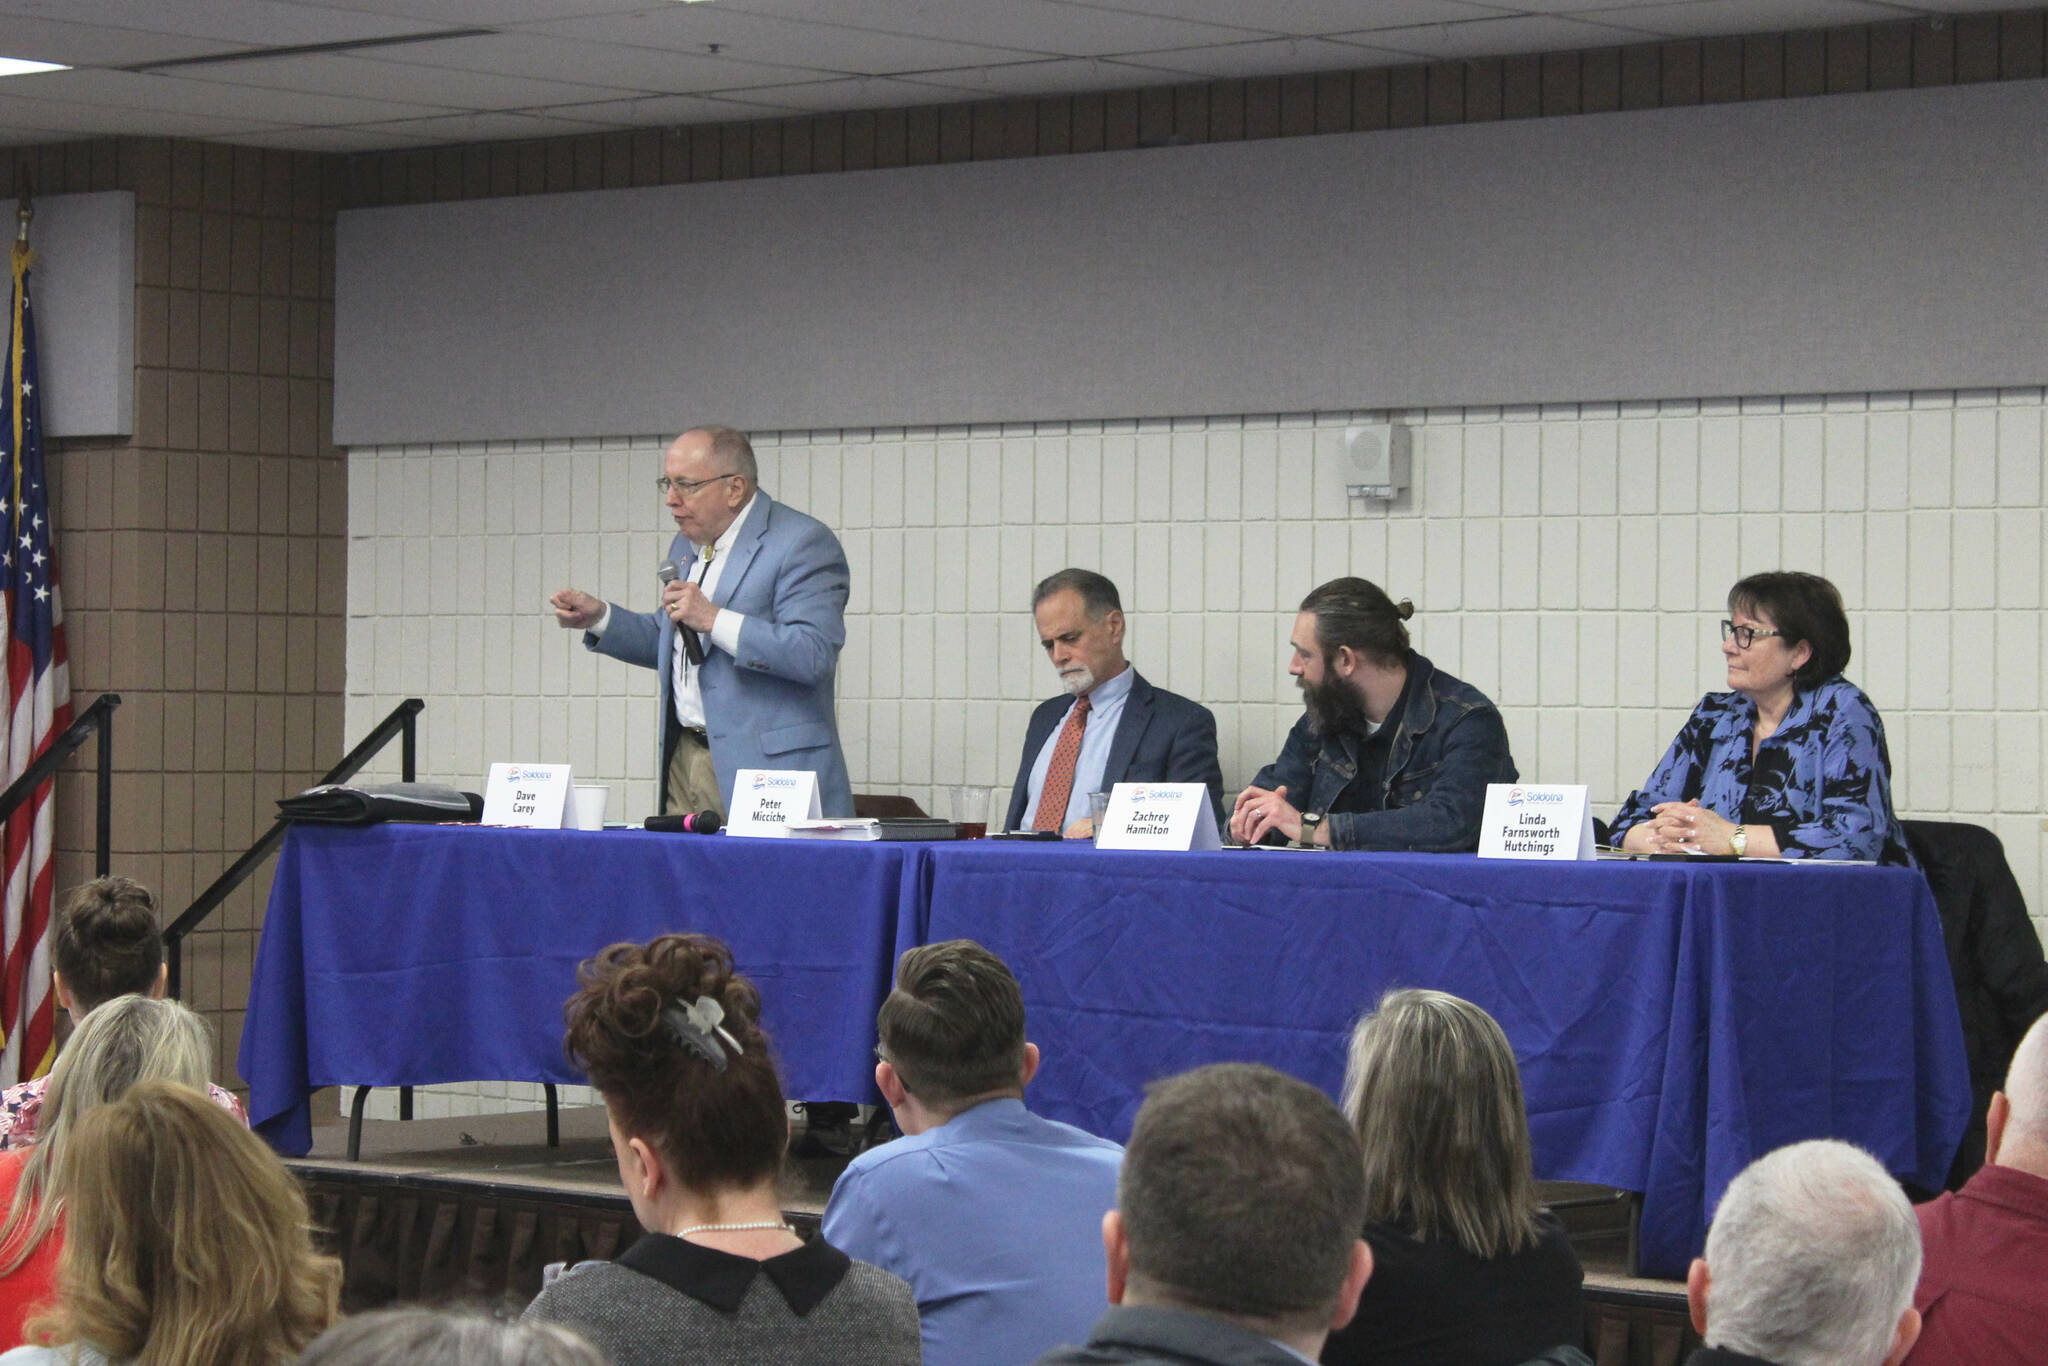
{"x": 1077, "y": 680}
{"x": 1333, "y": 706}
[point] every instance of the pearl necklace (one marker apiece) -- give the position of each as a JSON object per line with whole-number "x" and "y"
{"x": 736, "y": 1228}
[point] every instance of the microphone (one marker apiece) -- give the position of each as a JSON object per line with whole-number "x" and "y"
{"x": 691, "y": 823}
{"x": 693, "y": 648}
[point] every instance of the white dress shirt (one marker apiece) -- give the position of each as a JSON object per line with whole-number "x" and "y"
{"x": 725, "y": 627}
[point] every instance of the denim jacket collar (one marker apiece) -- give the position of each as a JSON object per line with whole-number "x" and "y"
{"x": 1418, "y": 714}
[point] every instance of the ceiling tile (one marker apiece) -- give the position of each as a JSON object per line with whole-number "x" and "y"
{"x": 675, "y": 111}
{"x": 772, "y": 101}
{"x": 73, "y": 44}
{"x": 1703, "y": 18}
{"x": 477, "y": 13}
{"x": 346, "y": 138}
{"x": 595, "y": 64}
{"x": 1501, "y": 37}
{"x": 261, "y": 23}
{"x": 493, "y": 127}
{"x": 375, "y": 79}
{"x": 1272, "y": 57}
{"x": 1043, "y": 26}
{"x": 1298, "y": 18}
{"x": 764, "y": 38}
{"x": 1057, "y": 76}
{"x": 88, "y": 118}
{"x": 173, "y": 94}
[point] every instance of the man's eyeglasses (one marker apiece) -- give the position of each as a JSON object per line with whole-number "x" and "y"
{"x": 686, "y": 487}
{"x": 1744, "y": 636}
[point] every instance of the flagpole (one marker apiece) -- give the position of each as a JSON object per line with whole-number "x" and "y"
{"x": 25, "y": 210}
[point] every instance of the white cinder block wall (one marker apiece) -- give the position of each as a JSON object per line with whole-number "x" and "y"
{"x": 1571, "y": 561}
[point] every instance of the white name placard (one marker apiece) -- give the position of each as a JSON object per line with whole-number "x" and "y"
{"x": 531, "y": 795}
{"x": 1524, "y": 820}
{"x": 766, "y": 800}
{"x": 1158, "y": 816}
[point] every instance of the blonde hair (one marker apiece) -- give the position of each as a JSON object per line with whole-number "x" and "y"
{"x": 121, "y": 1042}
{"x": 1432, "y": 1089}
{"x": 186, "y": 1243}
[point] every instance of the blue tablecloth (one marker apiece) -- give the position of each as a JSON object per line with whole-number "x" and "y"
{"x": 1672, "y": 1021}
{"x": 404, "y": 954}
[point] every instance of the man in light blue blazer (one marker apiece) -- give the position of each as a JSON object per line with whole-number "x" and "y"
{"x": 746, "y": 640}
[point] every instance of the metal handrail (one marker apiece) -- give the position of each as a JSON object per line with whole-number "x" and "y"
{"x": 401, "y": 723}
{"x": 97, "y": 717}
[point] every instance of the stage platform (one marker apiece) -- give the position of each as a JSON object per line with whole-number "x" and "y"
{"x": 468, "y": 1210}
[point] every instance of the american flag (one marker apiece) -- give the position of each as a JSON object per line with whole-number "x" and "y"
{"x": 36, "y": 705}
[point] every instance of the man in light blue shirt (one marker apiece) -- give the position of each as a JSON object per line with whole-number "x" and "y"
{"x": 992, "y": 1214}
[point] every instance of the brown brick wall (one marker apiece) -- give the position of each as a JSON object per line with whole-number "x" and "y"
{"x": 204, "y": 560}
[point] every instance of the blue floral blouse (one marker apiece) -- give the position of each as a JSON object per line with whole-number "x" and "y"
{"x": 1822, "y": 781}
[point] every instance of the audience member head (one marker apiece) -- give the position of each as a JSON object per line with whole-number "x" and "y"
{"x": 1804, "y": 609}
{"x": 1356, "y": 615}
{"x": 952, "y": 1032}
{"x": 105, "y": 943}
{"x": 2016, "y": 1131}
{"x": 441, "y": 1337}
{"x": 1242, "y": 1195}
{"x": 1434, "y": 1093}
{"x": 1080, "y": 622}
{"x": 185, "y": 1241}
{"x": 129, "y": 1040}
{"x": 671, "y": 1036}
{"x": 1811, "y": 1261}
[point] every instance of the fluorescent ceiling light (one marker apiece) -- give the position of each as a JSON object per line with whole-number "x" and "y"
{"x": 21, "y": 66}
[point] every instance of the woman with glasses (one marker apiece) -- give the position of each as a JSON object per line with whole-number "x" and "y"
{"x": 1791, "y": 761}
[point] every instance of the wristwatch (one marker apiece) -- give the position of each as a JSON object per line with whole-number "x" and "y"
{"x": 1738, "y": 840}
{"x": 1310, "y": 822}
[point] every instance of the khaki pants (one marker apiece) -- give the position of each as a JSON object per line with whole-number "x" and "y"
{"x": 692, "y": 784}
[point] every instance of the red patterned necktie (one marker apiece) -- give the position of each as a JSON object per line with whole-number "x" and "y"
{"x": 1059, "y": 778}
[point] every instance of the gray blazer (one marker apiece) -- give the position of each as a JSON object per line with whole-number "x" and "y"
{"x": 771, "y": 705}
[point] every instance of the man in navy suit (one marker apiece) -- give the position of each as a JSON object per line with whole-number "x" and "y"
{"x": 1130, "y": 732}
{"x": 760, "y": 591}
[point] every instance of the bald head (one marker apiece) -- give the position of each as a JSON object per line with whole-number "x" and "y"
{"x": 2019, "y": 1114}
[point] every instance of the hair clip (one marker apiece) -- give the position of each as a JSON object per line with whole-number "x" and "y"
{"x": 693, "y": 1024}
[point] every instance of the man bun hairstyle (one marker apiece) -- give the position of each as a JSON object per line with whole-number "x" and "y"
{"x": 1098, "y": 595}
{"x": 1803, "y": 607}
{"x": 1357, "y": 613}
{"x": 635, "y": 1025}
{"x": 954, "y": 1026}
{"x": 106, "y": 941}
{"x": 1242, "y": 1193}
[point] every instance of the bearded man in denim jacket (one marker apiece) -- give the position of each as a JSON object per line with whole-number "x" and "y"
{"x": 1392, "y": 753}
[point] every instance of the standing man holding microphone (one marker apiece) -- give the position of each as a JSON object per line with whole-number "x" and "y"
{"x": 746, "y": 640}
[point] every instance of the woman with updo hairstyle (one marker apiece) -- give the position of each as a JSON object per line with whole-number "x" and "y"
{"x": 1791, "y": 761}
{"x": 671, "y": 1037}
{"x": 1468, "y": 1268}
{"x": 1391, "y": 752}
